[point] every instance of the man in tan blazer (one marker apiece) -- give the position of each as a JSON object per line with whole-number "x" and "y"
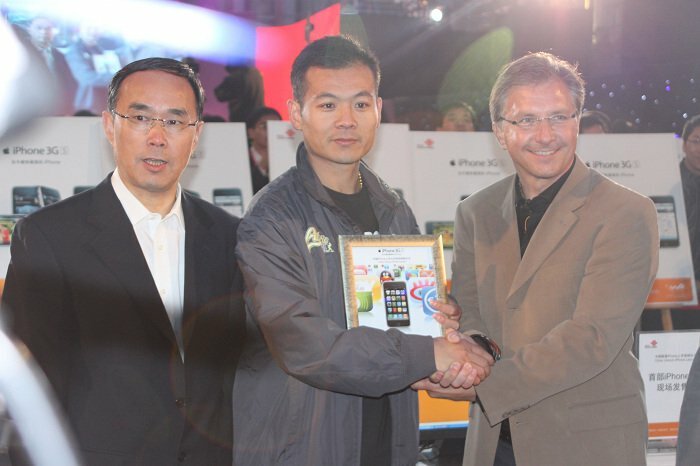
{"x": 555, "y": 264}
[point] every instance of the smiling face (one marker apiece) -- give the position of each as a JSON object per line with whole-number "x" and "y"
{"x": 150, "y": 162}
{"x": 338, "y": 117}
{"x": 543, "y": 153}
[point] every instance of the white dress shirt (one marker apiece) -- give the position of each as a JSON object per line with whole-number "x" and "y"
{"x": 162, "y": 241}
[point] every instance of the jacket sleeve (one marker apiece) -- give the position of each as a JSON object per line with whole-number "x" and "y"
{"x": 304, "y": 341}
{"x": 609, "y": 298}
{"x": 34, "y": 304}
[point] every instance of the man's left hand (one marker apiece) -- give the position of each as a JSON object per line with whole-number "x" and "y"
{"x": 448, "y": 313}
{"x": 435, "y": 390}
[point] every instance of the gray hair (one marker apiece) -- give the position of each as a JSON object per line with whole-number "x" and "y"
{"x": 533, "y": 69}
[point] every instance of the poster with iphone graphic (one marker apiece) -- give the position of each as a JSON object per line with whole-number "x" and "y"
{"x": 27, "y": 199}
{"x": 390, "y": 282}
{"x": 668, "y": 222}
{"x": 229, "y": 199}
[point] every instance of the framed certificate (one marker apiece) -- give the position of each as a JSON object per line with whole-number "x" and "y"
{"x": 389, "y": 281}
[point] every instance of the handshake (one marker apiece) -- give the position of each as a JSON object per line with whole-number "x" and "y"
{"x": 461, "y": 361}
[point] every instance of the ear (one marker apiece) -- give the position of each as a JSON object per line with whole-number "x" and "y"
{"x": 379, "y": 110}
{"x": 108, "y": 126}
{"x": 500, "y": 134}
{"x": 294, "y": 109}
{"x": 197, "y": 133}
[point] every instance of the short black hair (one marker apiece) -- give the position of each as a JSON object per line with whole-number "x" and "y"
{"x": 260, "y": 112}
{"x": 459, "y": 104}
{"x": 689, "y": 127}
{"x": 167, "y": 65}
{"x": 331, "y": 52}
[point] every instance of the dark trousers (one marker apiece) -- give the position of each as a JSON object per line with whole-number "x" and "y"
{"x": 504, "y": 451}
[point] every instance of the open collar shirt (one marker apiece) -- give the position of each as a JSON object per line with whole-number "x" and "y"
{"x": 162, "y": 241}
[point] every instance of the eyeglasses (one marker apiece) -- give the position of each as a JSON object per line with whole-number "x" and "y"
{"x": 145, "y": 123}
{"x": 695, "y": 142}
{"x": 530, "y": 122}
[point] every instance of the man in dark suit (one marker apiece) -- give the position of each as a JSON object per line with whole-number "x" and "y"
{"x": 128, "y": 294}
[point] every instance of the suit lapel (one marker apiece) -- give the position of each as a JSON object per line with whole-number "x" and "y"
{"x": 199, "y": 260}
{"x": 115, "y": 244}
{"x": 554, "y": 226}
{"x": 507, "y": 245}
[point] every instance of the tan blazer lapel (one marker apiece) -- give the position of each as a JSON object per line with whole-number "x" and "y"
{"x": 507, "y": 247}
{"x": 554, "y": 226}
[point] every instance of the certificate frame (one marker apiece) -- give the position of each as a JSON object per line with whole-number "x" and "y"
{"x": 375, "y": 267}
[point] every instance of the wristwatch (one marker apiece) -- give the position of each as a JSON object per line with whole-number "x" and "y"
{"x": 488, "y": 345}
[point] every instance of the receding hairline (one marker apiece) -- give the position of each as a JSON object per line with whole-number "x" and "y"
{"x": 534, "y": 69}
{"x": 175, "y": 110}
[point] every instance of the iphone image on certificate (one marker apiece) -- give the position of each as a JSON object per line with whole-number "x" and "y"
{"x": 396, "y": 304}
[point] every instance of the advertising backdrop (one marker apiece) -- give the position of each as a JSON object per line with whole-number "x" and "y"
{"x": 664, "y": 361}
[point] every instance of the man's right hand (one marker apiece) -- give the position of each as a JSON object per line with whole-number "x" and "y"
{"x": 459, "y": 360}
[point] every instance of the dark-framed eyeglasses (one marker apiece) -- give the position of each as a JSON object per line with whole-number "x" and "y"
{"x": 144, "y": 123}
{"x": 531, "y": 122}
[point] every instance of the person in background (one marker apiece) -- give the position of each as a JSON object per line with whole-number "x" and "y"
{"x": 688, "y": 448}
{"x": 256, "y": 126}
{"x": 594, "y": 122}
{"x": 308, "y": 390}
{"x": 38, "y": 39}
{"x": 555, "y": 263}
{"x": 458, "y": 116}
{"x": 690, "y": 180}
{"x": 129, "y": 296}
{"x": 93, "y": 60}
